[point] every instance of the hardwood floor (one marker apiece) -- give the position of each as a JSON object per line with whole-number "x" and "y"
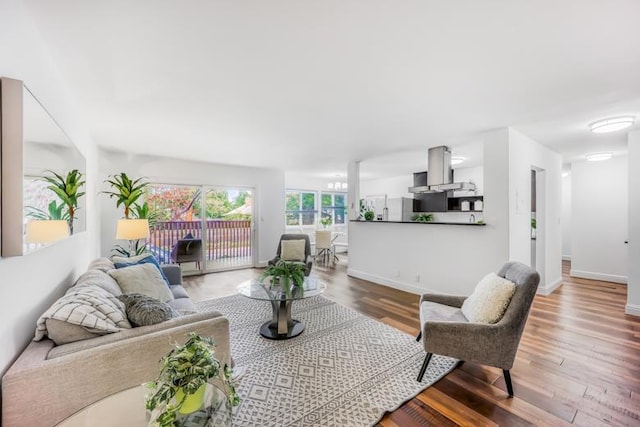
{"x": 578, "y": 361}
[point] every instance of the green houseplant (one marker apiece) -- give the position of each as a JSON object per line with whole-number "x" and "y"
{"x": 369, "y": 215}
{"x": 325, "y": 221}
{"x": 286, "y": 274}
{"x": 54, "y": 211}
{"x": 179, "y": 389}
{"x": 68, "y": 189}
{"x": 423, "y": 217}
{"x": 126, "y": 191}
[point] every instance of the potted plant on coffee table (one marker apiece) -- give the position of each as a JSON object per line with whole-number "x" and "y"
{"x": 190, "y": 379}
{"x": 285, "y": 274}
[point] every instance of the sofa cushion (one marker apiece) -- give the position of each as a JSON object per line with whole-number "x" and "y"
{"x": 432, "y": 311}
{"x": 292, "y": 250}
{"x": 102, "y": 264}
{"x": 143, "y": 310}
{"x": 489, "y": 299}
{"x": 183, "y": 306}
{"x": 178, "y": 291}
{"x": 101, "y": 279}
{"x": 142, "y": 279}
{"x": 148, "y": 258}
{"x": 89, "y": 306}
{"x": 64, "y": 332}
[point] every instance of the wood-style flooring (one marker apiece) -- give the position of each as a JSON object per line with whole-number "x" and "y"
{"x": 578, "y": 361}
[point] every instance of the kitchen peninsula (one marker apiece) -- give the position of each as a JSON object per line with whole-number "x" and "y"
{"x": 421, "y": 222}
{"x": 438, "y": 256}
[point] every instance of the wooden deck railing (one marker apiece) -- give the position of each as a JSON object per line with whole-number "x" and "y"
{"x": 225, "y": 239}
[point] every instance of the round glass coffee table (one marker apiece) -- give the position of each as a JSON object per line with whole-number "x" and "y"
{"x": 281, "y": 326}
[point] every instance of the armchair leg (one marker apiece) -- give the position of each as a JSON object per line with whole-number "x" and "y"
{"x": 427, "y": 359}
{"x": 419, "y": 336}
{"x": 507, "y": 379}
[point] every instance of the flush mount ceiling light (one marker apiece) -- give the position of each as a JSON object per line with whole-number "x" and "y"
{"x": 612, "y": 124}
{"x": 457, "y": 160}
{"x": 598, "y": 157}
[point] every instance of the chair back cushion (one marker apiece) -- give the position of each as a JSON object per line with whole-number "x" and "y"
{"x": 489, "y": 300}
{"x": 293, "y": 250}
{"x": 323, "y": 239}
{"x": 292, "y": 236}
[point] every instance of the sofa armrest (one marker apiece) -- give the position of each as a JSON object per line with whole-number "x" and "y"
{"x": 450, "y": 300}
{"x": 173, "y": 273}
{"x": 66, "y": 384}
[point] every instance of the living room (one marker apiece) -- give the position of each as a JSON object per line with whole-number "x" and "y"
{"x": 34, "y": 44}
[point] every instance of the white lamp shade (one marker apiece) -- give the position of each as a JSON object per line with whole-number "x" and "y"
{"x": 46, "y": 231}
{"x": 132, "y": 229}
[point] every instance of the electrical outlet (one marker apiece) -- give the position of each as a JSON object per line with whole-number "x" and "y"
{"x": 396, "y": 273}
{"x": 417, "y": 278}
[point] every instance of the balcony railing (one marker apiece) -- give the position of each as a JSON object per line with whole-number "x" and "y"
{"x": 224, "y": 238}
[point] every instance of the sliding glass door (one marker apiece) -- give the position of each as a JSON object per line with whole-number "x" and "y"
{"x": 202, "y": 228}
{"x": 229, "y": 219}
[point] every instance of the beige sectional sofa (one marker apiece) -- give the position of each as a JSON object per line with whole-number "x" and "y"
{"x": 48, "y": 382}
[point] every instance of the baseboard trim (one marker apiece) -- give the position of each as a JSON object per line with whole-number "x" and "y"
{"x": 566, "y": 257}
{"x": 632, "y": 309}
{"x": 548, "y": 288}
{"x": 598, "y": 276}
{"x": 386, "y": 282}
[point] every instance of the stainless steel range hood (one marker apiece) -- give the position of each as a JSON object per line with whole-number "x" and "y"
{"x": 439, "y": 173}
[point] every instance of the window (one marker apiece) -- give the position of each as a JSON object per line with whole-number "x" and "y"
{"x": 334, "y": 206}
{"x": 38, "y": 200}
{"x": 300, "y": 207}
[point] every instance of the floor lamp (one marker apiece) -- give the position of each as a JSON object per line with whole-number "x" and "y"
{"x": 132, "y": 230}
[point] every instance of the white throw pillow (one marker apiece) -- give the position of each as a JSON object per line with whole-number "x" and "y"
{"x": 292, "y": 250}
{"x": 489, "y": 299}
{"x": 142, "y": 279}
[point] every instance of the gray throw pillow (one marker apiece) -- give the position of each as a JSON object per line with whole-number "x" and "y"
{"x": 142, "y": 310}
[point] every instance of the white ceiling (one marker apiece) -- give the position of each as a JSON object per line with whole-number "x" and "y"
{"x": 310, "y": 85}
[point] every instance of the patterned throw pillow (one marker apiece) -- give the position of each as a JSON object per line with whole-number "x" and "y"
{"x": 489, "y": 299}
{"x": 143, "y": 310}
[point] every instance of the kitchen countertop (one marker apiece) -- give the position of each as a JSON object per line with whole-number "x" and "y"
{"x": 418, "y": 222}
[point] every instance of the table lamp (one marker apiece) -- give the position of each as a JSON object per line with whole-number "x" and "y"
{"x": 46, "y": 231}
{"x": 132, "y": 230}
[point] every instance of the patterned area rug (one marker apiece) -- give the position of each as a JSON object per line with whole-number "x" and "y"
{"x": 345, "y": 369}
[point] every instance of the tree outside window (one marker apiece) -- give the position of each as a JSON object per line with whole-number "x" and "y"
{"x": 300, "y": 207}
{"x": 334, "y": 206}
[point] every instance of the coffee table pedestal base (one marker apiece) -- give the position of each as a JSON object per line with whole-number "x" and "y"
{"x": 269, "y": 330}
{"x": 281, "y": 326}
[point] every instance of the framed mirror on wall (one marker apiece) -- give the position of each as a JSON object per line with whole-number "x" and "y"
{"x": 42, "y": 175}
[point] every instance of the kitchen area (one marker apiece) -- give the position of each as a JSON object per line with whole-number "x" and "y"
{"x": 434, "y": 227}
{"x": 438, "y": 195}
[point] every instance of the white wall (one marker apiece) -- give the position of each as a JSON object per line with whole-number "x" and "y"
{"x": 525, "y": 154}
{"x": 268, "y": 185}
{"x": 31, "y": 283}
{"x": 633, "y": 284}
{"x": 393, "y": 187}
{"x": 599, "y": 222}
{"x": 566, "y": 217}
{"x": 444, "y": 258}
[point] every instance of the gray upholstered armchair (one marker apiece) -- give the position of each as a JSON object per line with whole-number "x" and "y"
{"x": 446, "y": 331}
{"x": 307, "y": 250}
